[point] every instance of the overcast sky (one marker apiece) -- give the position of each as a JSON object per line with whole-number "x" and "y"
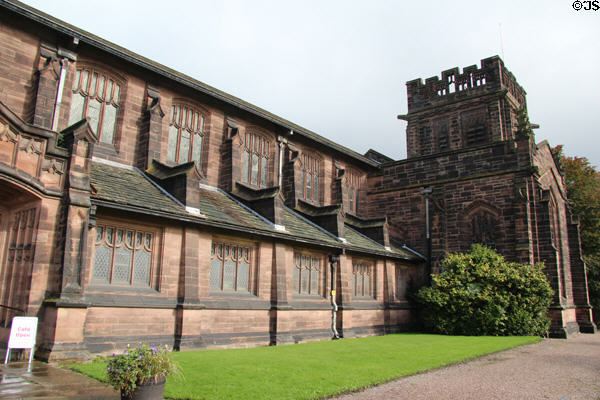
{"x": 339, "y": 68}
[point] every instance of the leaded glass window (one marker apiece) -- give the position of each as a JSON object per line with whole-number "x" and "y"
{"x": 255, "y": 161}
{"x": 403, "y": 280}
{"x": 96, "y": 96}
{"x": 310, "y": 178}
{"x": 186, "y": 135}
{"x": 362, "y": 279}
{"x": 307, "y": 274}
{"x": 123, "y": 256}
{"x": 230, "y": 267}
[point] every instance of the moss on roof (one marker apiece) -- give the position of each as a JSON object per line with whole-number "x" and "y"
{"x": 127, "y": 186}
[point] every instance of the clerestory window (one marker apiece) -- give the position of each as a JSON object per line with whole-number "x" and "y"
{"x": 96, "y": 96}
{"x": 255, "y": 161}
{"x": 310, "y": 178}
{"x": 352, "y": 186}
{"x": 186, "y": 135}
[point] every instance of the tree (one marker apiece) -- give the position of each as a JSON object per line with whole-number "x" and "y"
{"x": 480, "y": 293}
{"x": 583, "y": 190}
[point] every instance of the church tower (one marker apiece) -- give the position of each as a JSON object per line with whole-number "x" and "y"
{"x": 462, "y": 110}
{"x": 474, "y": 174}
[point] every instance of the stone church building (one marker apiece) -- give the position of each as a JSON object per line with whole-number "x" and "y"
{"x": 137, "y": 203}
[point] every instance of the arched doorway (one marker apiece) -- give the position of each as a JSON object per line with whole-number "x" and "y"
{"x": 19, "y": 218}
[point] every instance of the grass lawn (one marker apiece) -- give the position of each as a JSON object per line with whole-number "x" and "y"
{"x": 315, "y": 370}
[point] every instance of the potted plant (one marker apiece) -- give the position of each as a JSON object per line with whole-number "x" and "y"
{"x": 141, "y": 372}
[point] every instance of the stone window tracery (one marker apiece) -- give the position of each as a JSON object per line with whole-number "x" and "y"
{"x": 230, "y": 267}
{"x": 96, "y": 96}
{"x": 403, "y": 282}
{"x": 307, "y": 274}
{"x": 186, "y": 135}
{"x": 123, "y": 256}
{"x": 362, "y": 279}
{"x": 310, "y": 178}
{"x": 255, "y": 160}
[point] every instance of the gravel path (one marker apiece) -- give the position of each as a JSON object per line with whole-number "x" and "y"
{"x": 551, "y": 369}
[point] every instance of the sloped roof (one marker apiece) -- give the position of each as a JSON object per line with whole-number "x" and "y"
{"x": 357, "y": 240}
{"x": 136, "y": 59}
{"x": 129, "y": 188}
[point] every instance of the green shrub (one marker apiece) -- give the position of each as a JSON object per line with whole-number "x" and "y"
{"x": 480, "y": 293}
{"x": 138, "y": 365}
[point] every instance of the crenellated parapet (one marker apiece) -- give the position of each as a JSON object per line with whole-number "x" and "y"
{"x": 454, "y": 85}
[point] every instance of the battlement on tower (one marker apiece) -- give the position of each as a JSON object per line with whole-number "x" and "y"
{"x": 454, "y": 85}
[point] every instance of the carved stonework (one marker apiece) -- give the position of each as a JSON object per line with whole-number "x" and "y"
{"x": 8, "y": 142}
{"x": 52, "y": 172}
{"x": 30, "y": 145}
{"x": 29, "y": 155}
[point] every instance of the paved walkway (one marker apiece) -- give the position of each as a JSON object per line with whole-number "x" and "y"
{"x": 47, "y": 382}
{"x": 551, "y": 369}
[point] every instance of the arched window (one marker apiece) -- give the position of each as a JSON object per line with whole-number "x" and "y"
{"x": 555, "y": 236}
{"x": 352, "y": 186}
{"x": 255, "y": 161}
{"x": 484, "y": 227}
{"x": 186, "y": 135}
{"x": 96, "y": 96}
{"x": 310, "y": 178}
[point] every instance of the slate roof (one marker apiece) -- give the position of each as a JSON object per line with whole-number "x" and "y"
{"x": 301, "y": 227}
{"x": 129, "y": 187}
{"x": 359, "y": 241}
{"x": 119, "y": 185}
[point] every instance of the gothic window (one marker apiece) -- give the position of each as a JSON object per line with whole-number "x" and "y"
{"x": 483, "y": 228}
{"x": 474, "y": 126}
{"x": 123, "y": 256}
{"x": 403, "y": 282}
{"x": 255, "y": 162}
{"x": 186, "y": 135}
{"x": 96, "y": 96}
{"x": 307, "y": 274}
{"x": 310, "y": 178}
{"x": 425, "y": 139}
{"x": 230, "y": 267}
{"x": 442, "y": 135}
{"x": 362, "y": 279}
{"x": 352, "y": 186}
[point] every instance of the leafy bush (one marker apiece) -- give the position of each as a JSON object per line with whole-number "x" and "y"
{"x": 139, "y": 365}
{"x": 480, "y": 293}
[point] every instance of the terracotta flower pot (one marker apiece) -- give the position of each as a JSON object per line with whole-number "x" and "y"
{"x": 150, "y": 389}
